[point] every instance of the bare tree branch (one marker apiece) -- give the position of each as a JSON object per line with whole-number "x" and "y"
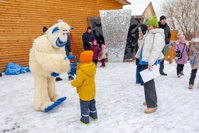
{"x": 182, "y": 15}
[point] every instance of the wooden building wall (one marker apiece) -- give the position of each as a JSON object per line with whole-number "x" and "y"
{"x": 21, "y": 21}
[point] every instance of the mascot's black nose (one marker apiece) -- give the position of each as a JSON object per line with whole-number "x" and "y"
{"x": 71, "y": 28}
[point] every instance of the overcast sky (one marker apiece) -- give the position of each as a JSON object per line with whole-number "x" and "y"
{"x": 156, "y": 4}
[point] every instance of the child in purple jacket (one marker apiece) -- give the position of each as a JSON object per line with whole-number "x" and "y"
{"x": 181, "y": 50}
{"x": 96, "y": 50}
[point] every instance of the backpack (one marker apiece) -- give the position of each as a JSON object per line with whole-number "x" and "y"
{"x": 193, "y": 58}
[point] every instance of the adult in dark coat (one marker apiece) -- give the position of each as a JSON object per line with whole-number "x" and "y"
{"x": 163, "y": 25}
{"x": 68, "y": 50}
{"x": 139, "y": 67}
{"x": 87, "y": 38}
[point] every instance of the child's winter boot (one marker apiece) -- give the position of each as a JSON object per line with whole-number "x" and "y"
{"x": 190, "y": 86}
{"x": 150, "y": 110}
{"x": 95, "y": 119}
{"x": 182, "y": 73}
{"x": 85, "y": 123}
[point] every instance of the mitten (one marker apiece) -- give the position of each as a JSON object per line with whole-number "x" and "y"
{"x": 178, "y": 51}
{"x": 73, "y": 65}
{"x": 188, "y": 49}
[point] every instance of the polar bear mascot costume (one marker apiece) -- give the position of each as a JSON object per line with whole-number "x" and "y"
{"x": 47, "y": 60}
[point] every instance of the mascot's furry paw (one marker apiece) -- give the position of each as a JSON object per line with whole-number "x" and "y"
{"x": 59, "y": 101}
{"x": 71, "y": 57}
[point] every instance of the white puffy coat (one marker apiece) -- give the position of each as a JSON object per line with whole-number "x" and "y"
{"x": 152, "y": 45}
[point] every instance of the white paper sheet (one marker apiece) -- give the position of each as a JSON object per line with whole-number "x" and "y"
{"x": 149, "y": 75}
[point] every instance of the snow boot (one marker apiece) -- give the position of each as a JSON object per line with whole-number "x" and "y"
{"x": 190, "y": 86}
{"x": 144, "y": 103}
{"x": 163, "y": 74}
{"x": 179, "y": 75}
{"x": 95, "y": 119}
{"x": 150, "y": 110}
{"x": 182, "y": 73}
{"x": 85, "y": 123}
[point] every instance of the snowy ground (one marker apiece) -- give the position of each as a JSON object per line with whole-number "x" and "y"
{"x": 119, "y": 104}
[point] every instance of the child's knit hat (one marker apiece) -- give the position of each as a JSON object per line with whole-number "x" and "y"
{"x": 94, "y": 40}
{"x": 153, "y": 21}
{"x": 86, "y": 56}
{"x": 181, "y": 38}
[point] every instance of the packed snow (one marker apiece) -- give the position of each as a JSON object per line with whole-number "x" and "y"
{"x": 119, "y": 103}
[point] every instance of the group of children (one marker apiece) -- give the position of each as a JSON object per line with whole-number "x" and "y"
{"x": 182, "y": 49}
{"x": 99, "y": 54}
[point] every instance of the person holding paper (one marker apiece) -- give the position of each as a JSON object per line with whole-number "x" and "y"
{"x": 149, "y": 54}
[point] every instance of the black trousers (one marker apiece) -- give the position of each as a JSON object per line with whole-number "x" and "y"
{"x": 193, "y": 76}
{"x": 161, "y": 66}
{"x": 180, "y": 68}
{"x": 150, "y": 92}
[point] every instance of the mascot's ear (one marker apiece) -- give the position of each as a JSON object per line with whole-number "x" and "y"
{"x": 55, "y": 29}
{"x": 45, "y": 29}
{"x": 60, "y": 20}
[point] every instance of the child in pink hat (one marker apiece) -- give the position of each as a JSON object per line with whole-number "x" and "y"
{"x": 181, "y": 50}
{"x": 96, "y": 50}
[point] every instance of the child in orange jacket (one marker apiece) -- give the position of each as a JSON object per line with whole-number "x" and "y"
{"x": 85, "y": 84}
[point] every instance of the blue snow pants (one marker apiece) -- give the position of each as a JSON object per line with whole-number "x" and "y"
{"x": 88, "y": 108}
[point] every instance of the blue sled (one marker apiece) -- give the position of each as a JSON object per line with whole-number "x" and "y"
{"x": 59, "y": 101}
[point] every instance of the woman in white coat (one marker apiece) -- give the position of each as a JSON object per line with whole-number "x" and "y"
{"x": 149, "y": 54}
